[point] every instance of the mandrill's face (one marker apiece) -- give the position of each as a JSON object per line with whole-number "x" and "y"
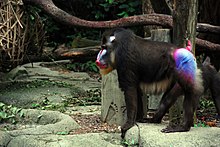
{"x": 106, "y": 57}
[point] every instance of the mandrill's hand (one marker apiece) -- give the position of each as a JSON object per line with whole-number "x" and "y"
{"x": 126, "y": 127}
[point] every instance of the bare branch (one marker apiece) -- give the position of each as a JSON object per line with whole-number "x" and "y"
{"x": 207, "y": 45}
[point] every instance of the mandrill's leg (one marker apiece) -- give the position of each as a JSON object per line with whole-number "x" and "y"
{"x": 166, "y": 102}
{"x": 189, "y": 106}
{"x": 140, "y": 110}
{"x": 131, "y": 105}
{"x": 168, "y": 99}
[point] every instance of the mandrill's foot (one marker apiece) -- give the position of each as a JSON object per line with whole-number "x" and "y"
{"x": 126, "y": 127}
{"x": 171, "y": 129}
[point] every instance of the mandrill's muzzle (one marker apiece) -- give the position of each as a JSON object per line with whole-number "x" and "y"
{"x": 99, "y": 61}
{"x": 100, "y": 65}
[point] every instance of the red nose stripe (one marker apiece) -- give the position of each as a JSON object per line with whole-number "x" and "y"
{"x": 98, "y": 63}
{"x": 100, "y": 52}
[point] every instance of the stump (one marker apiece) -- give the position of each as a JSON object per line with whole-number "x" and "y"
{"x": 113, "y": 104}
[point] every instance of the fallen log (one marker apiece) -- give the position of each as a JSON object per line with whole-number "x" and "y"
{"x": 79, "y": 52}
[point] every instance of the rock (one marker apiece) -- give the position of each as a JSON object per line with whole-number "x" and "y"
{"x": 151, "y": 135}
{"x": 17, "y": 73}
{"x": 82, "y": 140}
{"x": 45, "y": 122}
{"x": 4, "y": 138}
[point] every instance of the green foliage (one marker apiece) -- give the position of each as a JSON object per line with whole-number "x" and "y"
{"x": 48, "y": 105}
{"x": 128, "y": 143}
{"x": 124, "y": 8}
{"x": 8, "y": 113}
{"x": 57, "y": 33}
{"x": 46, "y": 83}
{"x": 88, "y": 66}
{"x": 206, "y": 103}
{"x": 200, "y": 124}
{"x": 63, "y": 133}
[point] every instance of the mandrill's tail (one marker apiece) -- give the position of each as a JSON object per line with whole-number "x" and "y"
{"x": 189, "y": 46}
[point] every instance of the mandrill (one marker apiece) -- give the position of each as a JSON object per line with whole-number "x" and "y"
{"x": 152, "y": 67}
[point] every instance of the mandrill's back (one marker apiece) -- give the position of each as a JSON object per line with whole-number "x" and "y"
{"x": 154, "y": 59}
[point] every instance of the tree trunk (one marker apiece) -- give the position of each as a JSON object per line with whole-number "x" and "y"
{"x": 147, "y": 9}
{"x": 184, "y": 28}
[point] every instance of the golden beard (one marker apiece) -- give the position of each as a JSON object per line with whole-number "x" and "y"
{"x": 105, "y": 71}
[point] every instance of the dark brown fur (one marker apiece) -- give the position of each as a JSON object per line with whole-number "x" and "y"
{"x": 211, "y": 80}
{"x": 139, "y": 61}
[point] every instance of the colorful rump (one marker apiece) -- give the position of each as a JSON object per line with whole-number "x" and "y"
{"x": 185, "y": 62}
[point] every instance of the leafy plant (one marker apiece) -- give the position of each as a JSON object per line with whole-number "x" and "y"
{"x": 48, "y": 105}
{"x": 200, "y": 124}
{"x": 88, "y": 66}
{"x": 46, "y": 83}
{"x": 8, "y": 113}
{"x": 126, "y": 8}
{"x": 128, "y": 143}
{"x": 205, "y": 103}
{"x": 63, "y": 133}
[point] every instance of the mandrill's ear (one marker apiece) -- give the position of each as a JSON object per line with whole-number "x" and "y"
{"x": 207, "y": 61}
{"x": 105, "y": 71}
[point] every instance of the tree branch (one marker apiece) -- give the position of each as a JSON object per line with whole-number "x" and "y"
{"x": 202, "y": 27}
{"x": 147, "y": 19}
{"x": 64, "y": 17}
{"x": 204, "y": 44}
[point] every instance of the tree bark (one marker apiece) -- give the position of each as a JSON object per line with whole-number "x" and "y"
{"x": 204, "y": 45}
{"x": 147, "y": 9}
{"x": 184, "y": 28}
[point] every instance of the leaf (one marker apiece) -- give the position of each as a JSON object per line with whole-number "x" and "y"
{"x": 104, "y": 5}
{"x": 123, "y": 6}
{"x": 14, "y": 121}
{"x": 134, "y": 3}
{"x": 35, "y": 105}
{"x": 32, "y": 17}
{"x": 3, "y": 115}
{"x": 94, "y": 68}
{"x": 122, "y": 13}
{"x": 2, "y": 105}
{"x": 15, "y": 110}
{"x": 110, "y": 1}
{"x": 63, "y": 133}
{"x": 132, "y": 141}
{"x": 21, "y": 114}
{"x": 131, "y": 9}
